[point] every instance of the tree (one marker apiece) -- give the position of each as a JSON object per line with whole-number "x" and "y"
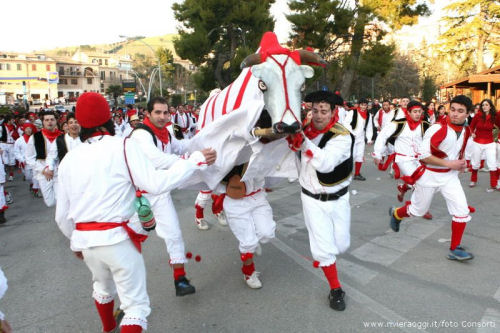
{"x": 115, "y": 91}
{"x": 401, "y": 80}
{"x": 473, "y": 29}
{"x": 216, "y": 35}
{"x": 429, "y": 88}
{"x": 345, "y": 31}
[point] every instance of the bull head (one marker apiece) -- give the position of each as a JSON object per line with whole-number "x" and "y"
{"x": 281, "y": 80}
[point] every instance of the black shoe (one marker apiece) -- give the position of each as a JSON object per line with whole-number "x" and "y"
{"x": 183, "y": 287}
{"x": 2, "y": 217}
{"x": 359, "y": 177}
{"x": 336, "y": 298}
{"x": 394, "y": 223}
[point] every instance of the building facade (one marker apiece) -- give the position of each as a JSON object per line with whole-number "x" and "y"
{"x": 27, "y": 77}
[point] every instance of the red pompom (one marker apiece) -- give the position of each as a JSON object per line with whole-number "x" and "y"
{"x": 189, "y": 255}
{"x": 309, "y": 154}
{"x": 197, "y": 258}
{"x": 315, "y": 264}
{"x": 472, "y": 209}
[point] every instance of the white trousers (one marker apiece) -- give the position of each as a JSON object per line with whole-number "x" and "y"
{"x": 328, "y": 224}
{"x": 489, "y": 151}
{"x": 8, "y": 154}
{"x": 358, "y": 152}
{"x": 167, "y": 226}
{"x": 251, "y": 220}
{"x": 203, "y": 199}
{"x": 468, "y": 149}
{"x": 3, "y": 203}
{"x": 453, "y": 194}
{"x": 48, "y": 188}
{"x": 407, "y": 168}
{"x": 119, "y": 268}
{"x": 498, "y": 155}
{"x": 28, "y": 174}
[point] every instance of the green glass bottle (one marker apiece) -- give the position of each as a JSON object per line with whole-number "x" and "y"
{"x": 143, "y": 209}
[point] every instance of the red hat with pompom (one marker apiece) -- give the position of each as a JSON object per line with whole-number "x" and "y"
{"x": 92, "y": 110}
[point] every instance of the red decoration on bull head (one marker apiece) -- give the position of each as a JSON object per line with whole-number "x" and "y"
{"x": 269, "y": 45}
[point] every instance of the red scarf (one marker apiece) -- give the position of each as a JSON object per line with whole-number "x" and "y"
{"x": 26, "y": 137}
{"x": 430, "y": 113}
{"x": 456, "y": 128}
{"x": 161, "y": 134}
{"x": 363, "y": 114}
{"x": 51, "y": 136}
{"x": 13, "y": 131}
{"x": 311, "y": 132}
{"x": 412, "y": 123}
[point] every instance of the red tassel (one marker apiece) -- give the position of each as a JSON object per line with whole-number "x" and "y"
{"x": 472, "y": 209}
{"x": 315, "y": 264}
{"x": 189, "y": 255}
{"x": 197, "y": 258}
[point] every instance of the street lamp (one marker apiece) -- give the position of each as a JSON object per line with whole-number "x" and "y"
{"x": 139, "y": 39}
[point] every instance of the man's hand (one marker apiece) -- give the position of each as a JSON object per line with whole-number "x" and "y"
{"x": 459, "y": 165}
{"x": 78, "y": 254}
{"x": 295, "y": 141}
{"x": 49, "y": 174}
{"x": 210, "y": 155}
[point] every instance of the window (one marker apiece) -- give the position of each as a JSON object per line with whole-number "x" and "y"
{"x": 47, "y": 67}
{"x": 19, "y": 67}
{"x": 106, "y": 62}
{"x": 1, "y": 67}
{"x": 7, "y": 67}
{"x": 63, "y": 81}
{"x": 89, "y": 80}
{"x": 74, "y": 82}
{"x": 61, "y": 70}
{"x": 33, "y": 67}
{"x": 103, "y": 75}
{"x": 100, "y": 62}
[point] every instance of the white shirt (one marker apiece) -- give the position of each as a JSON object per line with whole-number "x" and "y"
{"x": 20, "y": 149}
{"x": 336, "y": 151}
{"x": 359, "y": 131}
{"x": 406, "y": 144}
{"x": 31, "y": 160}
{"x": 95, "y": 186}
{"x": 387, "y": 117}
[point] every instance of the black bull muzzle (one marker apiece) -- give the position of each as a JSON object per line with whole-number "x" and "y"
{"x": 284, "y": 128}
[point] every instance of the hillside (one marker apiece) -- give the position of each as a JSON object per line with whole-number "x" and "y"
{"x": 123, "y": 47}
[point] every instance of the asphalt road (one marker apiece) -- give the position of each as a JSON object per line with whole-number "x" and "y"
{"x": 393, "y": 281}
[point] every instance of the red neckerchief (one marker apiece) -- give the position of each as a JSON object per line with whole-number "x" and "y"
{"x": 161, "y": 134}
{"x": 363, "y": 114}
{"x": 430, "y": 113}
{"x": 26, "y": 137}
{"x": 99, "y": 133}
{"x": 51, "y": 136}
{"x": 311, "y": 132}
{"x": 441, "y": 118}
{"x": 456, "y": 128}
{"x": 13, "y": 131}
{"x": 412, "y": 123}
{"x": 405, "y": 110}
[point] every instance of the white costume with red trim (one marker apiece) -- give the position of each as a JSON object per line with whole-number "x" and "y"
{"x": 95, "y": 188}
{"x": 185, "y": 122}
{"x": 3, "y": 289}
{"x": 327, "y": 222}
{"x": 7, "y": 147}
{"x": 359, "y": 132}
{"x": 20, "y": 154}
{"x": 163, "y": 156}
{"x": 435, "y": 178}
{"x": 37, "y": 165}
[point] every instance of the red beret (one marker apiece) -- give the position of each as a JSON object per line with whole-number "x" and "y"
{"x": 33, "y": 127}
{"x": 92, "y": 110}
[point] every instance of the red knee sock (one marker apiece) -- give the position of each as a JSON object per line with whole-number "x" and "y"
{"x": 106, "y": 313}
{"x": 11, "y": 174}
{"x": 473, "y": 176}
{"x": 402, "y": 212}
{"x": 248, "y": 269}
{"x": 457, "y": 231}
{"x": 468, "y": 163}
{"x": 493, "y": 179}
{"x": 178, "y": 272}
{"x": 357, "y": 168}
{"x": 199, "y": 212}
{"x": 331, "y": 275}
{"x": 482, "y": 164}
{"x": 131, "y": 329}
{"x": 217, "y": 203}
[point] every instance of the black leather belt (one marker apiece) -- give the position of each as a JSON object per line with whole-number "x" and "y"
{"x": 326, "y": 196}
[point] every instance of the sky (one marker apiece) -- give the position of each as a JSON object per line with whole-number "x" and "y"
{"x": 38, "y": 25}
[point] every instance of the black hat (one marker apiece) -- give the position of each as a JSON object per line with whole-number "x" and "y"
{"x": 324, "y": 96}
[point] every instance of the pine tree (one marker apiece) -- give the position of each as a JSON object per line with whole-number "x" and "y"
{"x": 345, "y": 33}
{"x": 473, "y": 28}
{"x": 216, "y": 35}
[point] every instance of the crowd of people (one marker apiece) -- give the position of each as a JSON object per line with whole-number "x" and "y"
{"x": 63, "y": 155}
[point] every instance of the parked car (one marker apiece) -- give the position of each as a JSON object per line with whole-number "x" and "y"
{"x": 60, "y": 108}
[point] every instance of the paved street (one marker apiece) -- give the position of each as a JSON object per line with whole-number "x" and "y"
{"x": 393, "y": 281}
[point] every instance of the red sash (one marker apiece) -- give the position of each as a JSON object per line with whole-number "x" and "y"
{"x": 136, "y": 238}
